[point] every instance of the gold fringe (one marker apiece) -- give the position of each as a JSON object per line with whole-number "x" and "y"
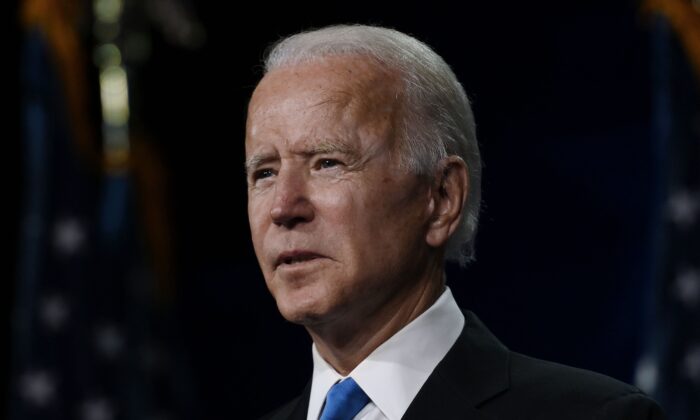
{"x": 685, "y": 20}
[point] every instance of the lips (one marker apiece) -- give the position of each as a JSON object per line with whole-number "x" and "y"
{"x": 291, "y": 258}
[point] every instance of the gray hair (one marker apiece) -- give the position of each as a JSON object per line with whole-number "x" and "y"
{"x": 438, "y": 121}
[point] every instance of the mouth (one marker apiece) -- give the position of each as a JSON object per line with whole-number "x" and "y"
{"x": 292, "y": 258}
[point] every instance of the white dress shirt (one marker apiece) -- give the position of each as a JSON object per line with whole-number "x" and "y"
{"x": 395, "y": 371}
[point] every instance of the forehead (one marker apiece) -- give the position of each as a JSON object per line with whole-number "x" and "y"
{"x": 335, "y": 76}
{"x": 333, "y": 89}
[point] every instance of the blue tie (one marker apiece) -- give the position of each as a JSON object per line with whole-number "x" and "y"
{"x": 344, "y": 400}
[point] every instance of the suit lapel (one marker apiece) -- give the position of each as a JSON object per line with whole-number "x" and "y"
{"x": 475, "y": 370}
{"x": 295, "y": 409}
{"x": 302, "y": 407}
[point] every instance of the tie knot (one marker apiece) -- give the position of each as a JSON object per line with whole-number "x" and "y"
{"x": 344, "y": 400}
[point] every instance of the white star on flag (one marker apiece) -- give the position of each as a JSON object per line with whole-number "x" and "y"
{"x": 686, "y": 287}
{"x": 683, "y": 208}
{"x": 691, "y": 363}
{"x": 109, "y": 341}
{"x": 646, "y": 375}
{"x": 68, "y": 236}
{"x": 37, "y": 387}
{"x": 97, "y": 409}
{"x": 54, "y": 312}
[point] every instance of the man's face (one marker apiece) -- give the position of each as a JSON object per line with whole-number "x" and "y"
{"x": 338, "y": 228}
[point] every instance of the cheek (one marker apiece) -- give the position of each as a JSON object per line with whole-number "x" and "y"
{"x": 356, "y": 216}
{"x": 258, "y": 219}
{"x": 338, "y": 205}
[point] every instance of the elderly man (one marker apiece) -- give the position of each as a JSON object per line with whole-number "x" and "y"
{"x": 363, "y": 178}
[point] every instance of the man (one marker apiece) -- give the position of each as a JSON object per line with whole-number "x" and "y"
{"x": 363, "y": 178}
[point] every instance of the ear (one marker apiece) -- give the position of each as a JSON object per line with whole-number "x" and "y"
{"x": 449, "y": 195}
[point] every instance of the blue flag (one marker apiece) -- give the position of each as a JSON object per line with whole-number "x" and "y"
{"x": 671, "y": 372}
{"x": 89, "y": 343}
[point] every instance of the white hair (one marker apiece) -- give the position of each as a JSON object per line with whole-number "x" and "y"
{"x": 438, "y": 120}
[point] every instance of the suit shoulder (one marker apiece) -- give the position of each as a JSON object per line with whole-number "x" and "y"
{"x": 293, "y": 409}
{"x": 531, "y": 373}
{"x": 283, "y": 412}
{"x": 559, "y": 389}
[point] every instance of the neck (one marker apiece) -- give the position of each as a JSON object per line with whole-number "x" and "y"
{"x": 345, "y": 344}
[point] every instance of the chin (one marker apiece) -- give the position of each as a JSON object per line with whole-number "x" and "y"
{"x": 302, "y": 316}
{"x": 300, "y": 308}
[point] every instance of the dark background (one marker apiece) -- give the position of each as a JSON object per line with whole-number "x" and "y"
{"x": 562, "y": 102}
{"x": 562, "y": 98}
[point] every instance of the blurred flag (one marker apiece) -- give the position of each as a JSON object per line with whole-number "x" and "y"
{"x": 671, "y": 372}
{"x": 59, "y": 223}
{"x": 88, "y": 341}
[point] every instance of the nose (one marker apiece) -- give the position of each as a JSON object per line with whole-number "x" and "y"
{"x": 291, "y": 205}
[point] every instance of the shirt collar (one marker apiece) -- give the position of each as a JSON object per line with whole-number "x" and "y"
{"x": 395, "y": 371}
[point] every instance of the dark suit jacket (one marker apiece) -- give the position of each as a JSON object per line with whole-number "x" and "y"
{"x": 481, "y": 379}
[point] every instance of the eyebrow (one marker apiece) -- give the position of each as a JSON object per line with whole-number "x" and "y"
{"x": 257, "y": 160}
{"x": 325, "y": 147}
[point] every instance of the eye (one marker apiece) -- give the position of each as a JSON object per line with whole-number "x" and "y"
{"x": 327, "y": 163}
{"x": 262, "y": 173}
